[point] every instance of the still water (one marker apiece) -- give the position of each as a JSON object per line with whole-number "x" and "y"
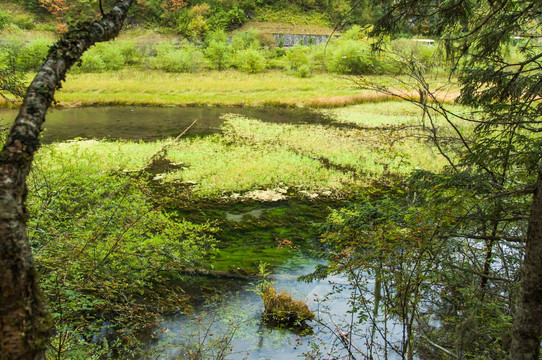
{"x": 148, "y": 124}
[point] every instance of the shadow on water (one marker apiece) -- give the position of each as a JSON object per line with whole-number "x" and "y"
{"x": 148, "y": 124}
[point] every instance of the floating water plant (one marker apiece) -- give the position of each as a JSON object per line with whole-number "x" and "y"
{"x": 281, "y": 310}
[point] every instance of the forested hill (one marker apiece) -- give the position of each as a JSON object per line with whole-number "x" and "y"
{"x": 193, "y": 19}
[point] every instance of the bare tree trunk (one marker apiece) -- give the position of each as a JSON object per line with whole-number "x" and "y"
{"x": 528, "y": 317}
{"x": 25, "y": 326}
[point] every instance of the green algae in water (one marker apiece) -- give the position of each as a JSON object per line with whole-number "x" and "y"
{"x": 254, "y": 232}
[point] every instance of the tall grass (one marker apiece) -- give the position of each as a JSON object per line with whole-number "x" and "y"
{"x": 250, "y": 154}
{"x": 229, "y": 88}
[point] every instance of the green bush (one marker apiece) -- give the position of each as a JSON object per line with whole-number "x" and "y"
{"x": 104, "y": 253}
{"x": 250, "y": 61}
{"x": 23, "y": 21}
{"x": 5, "y": 19}
{"x": 318, "y": 56}
{"x": 130, "y": 51}
{"x": 32, "y": 55}
{"x": 298, "y": 61}
{"x": 223, "y": 19}
{"x": 192, "y": 22}
{"x": 91, "y": 62}
{"x": 111, "y": 55}
{"x": 103, "y": 56}
{"x": 9, "y": 50}
{"x": 246, "y": 40}
{"x": 218, "y": 53}
{"x": 351, "y": 57}
{"x": 186, "y": 58}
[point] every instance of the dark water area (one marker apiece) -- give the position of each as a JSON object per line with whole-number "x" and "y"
{"x": 152, "y": 123}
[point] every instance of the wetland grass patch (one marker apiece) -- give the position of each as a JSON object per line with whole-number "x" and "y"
{"x": 363, "y": 143}
{"x": 362, "y": 153}
{"x": 230, "y": 88}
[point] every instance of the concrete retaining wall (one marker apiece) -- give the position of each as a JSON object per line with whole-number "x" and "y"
{"x": 289, "y": 40}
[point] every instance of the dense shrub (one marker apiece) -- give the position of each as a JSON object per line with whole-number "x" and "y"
{"x": 185, "y": 58}
{"x": 298, "y": 61}
{"x": 31, "y": 55}
{"x": 222, "y": 19}
{"x": 318, "y": 56}
{"x": 130, "y": 51}
{"x": 104, "y": 253}
{"x": 350, "y": 57}
{"x": 111, "y": 55}
{"x": 250, "y": 61}
{"x": 246, "y": 40}
{"x": 91, "y": 62}
{"x": 103, "y": 56}
{"x": 23, "y": 21}
{"x": 192, "y": 23}
{"x": 217, "y": 51}
{"x": 5, "y": 19}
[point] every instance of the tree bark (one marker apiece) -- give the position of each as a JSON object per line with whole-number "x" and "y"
{"x": 527, "y": 330}
{"x": 25, "y": 326}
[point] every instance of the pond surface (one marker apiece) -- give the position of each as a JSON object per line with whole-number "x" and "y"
{"x": 230, "y": 308}
{"x": 238, "y": 313}
{"x": 148, "y": 124}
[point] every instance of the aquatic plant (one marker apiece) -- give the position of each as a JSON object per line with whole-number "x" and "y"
{"x": 280, "y": 309}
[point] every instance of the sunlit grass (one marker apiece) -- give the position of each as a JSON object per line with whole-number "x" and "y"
{"x": 146, "y": 87}
{"x": 230, "y": 88}
{"x": 250, "y": 154}
{"x": 213, "y": 165}
{"x": 221, "y": 167}
{"x": 139, "y": 87}
{"x": 97, "y": 156}
{"x": 390, "y": 113}
{"x": 366, "y": 153}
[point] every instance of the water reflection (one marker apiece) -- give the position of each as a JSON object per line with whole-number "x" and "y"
{"x": 238, "y": 312}
{"x": 148, "y": 124}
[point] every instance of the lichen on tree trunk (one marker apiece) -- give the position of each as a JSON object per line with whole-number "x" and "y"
{"x": 25, "y": 326}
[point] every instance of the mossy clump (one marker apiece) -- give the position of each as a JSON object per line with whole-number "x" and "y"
{"x": 281, "y": 310}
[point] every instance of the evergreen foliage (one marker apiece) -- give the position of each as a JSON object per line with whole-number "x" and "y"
{"x": 447, "y": 249}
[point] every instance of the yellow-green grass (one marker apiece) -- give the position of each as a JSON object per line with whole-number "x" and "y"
{"x": 212, "y": 88}
{"x": 215, "y": 166}
{"x": 402, "y": 114}
{"x": 365, "y": 153}
{"x": 250, "y": 154}
{"x": 230, "y": 88}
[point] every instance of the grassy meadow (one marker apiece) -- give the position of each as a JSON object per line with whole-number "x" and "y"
{"x": 230, "y": 88}
{"x": 363, "y": 142}
{"x": 142, "y": 87}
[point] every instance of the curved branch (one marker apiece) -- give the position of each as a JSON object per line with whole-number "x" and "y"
{"x": 25, "y": 326}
